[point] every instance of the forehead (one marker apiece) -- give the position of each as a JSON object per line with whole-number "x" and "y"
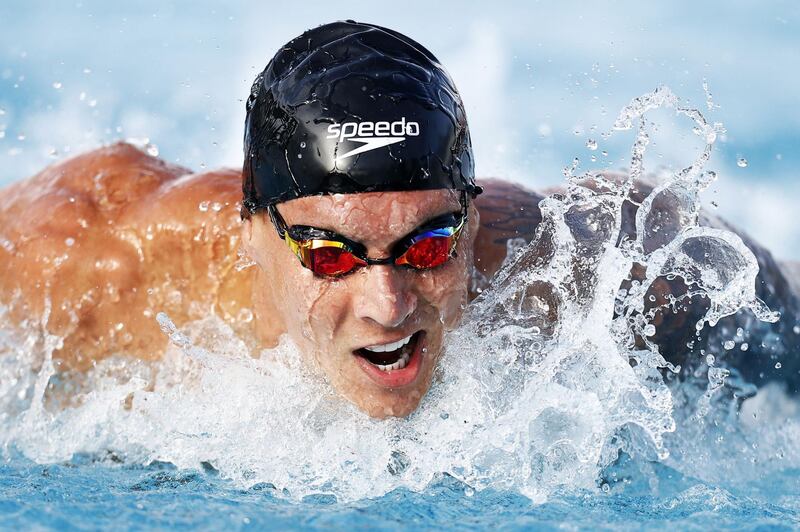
{"x": 366, "y": 216}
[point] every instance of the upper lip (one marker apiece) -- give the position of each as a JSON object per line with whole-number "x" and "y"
{"x": 384, "y": 342}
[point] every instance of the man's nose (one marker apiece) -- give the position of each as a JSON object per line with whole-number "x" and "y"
{"x": 385, "y": 298}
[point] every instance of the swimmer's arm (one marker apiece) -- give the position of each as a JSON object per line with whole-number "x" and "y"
{"x": 510, "y": 211}
{"x": 766, "y": 343}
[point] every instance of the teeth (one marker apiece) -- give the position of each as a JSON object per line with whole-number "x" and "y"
{"x": 400, "y": 364}
{"x": 389, "y": 347}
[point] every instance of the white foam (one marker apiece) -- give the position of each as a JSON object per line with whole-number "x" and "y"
{"x": 521, "y": 401}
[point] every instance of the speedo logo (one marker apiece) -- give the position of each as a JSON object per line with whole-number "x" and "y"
{"x": 372, "y": 135}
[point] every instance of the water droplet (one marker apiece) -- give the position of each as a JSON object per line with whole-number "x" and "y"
{"x": 649, "y": 330}
{"x": 778, "y": 365}
{"x": 569, "y": 171}
{"x": 303, "y": 144}
{"x": 299, "y": 155}
{"x": 730, "y": 344}
{"x": 204, "y": 206}
{"x": 92, "y": 103}
{"x": 243, "y": 261}
{"x": 69, "y": 241}
{"x": 57, "y": 85}
{"x": 21, "y": 136}
{"x": 151, "y": 150}
{"x": 2, "y": 111}
{"x": 591, "y": 144}
{"x": 744, "y": 347}
{"x": 245, "y": 315}
{"x": 796, "y": 329}
{"x": 741, "y": 162}
{"x": 216, "y": 206}
{"x": 652, "y": 298}
{"x": 710, "y": 360}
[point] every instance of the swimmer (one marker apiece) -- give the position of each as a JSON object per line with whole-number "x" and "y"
{"x": 356, "y": 227}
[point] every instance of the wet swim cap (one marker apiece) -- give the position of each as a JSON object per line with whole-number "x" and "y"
{"x": 352, "y": 107}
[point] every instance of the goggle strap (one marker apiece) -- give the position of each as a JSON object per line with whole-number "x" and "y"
{"x": 278, "y": 221}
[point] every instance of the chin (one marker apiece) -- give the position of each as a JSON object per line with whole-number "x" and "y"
{"x": 400, "y": 402}
{"x": 392, "y": 407}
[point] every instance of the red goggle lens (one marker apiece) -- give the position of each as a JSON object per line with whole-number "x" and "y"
{"x": 329, "y": 260}
{"x": 428, "y": 252}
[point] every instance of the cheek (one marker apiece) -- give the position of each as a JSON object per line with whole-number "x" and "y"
{"x": 318, "y": 307}
{"x": 445, "y": 289}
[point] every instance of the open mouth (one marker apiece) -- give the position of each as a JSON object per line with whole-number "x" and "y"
{"x": 391, "y": 356}
{"x": 395, "y": 363}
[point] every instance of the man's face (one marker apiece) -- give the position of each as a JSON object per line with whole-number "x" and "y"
{"x": 334, "y": 320}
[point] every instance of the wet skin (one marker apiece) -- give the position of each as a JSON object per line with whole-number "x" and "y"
{"x": 100, "y": 243}
{"x": 330, "y": 319}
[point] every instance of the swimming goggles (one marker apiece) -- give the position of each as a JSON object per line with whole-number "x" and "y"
{"x": 329, "y": 254}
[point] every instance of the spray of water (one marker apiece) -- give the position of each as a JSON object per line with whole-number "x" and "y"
{"x": 550, "y": 376}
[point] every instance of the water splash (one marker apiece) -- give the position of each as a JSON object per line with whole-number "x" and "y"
{"x": 552, "y": 374}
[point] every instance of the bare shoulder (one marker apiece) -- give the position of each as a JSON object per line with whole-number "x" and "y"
{"x": 507, "y": 211}
{"x": 107, "y": 239}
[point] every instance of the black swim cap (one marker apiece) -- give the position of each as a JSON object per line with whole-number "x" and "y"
{"x": 352, "y": 107}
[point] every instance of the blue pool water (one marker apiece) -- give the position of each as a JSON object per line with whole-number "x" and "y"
{"x": 79, "y": 494}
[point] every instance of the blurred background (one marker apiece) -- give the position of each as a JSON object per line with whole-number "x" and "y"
{"x": 540, "y": 80}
